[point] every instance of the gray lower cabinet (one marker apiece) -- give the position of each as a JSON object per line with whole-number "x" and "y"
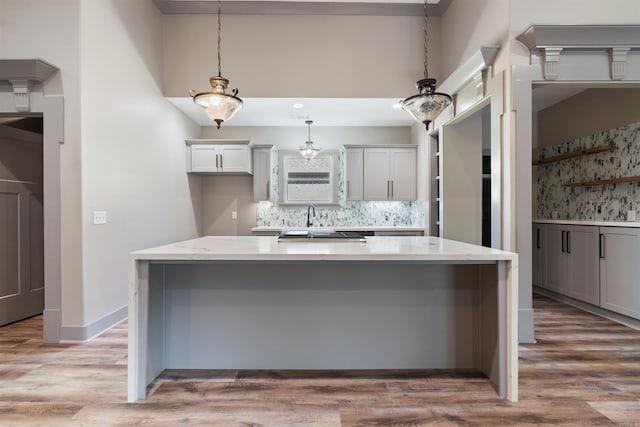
{"x": 620, "y": 270}
{"x": 537, "y": 254}
{"x": 597, "y": 265}
{"x": 569, "y": 258}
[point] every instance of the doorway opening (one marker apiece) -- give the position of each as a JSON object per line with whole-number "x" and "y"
{"x": 21, "y": 217}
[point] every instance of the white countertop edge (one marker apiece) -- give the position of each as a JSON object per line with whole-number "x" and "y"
{"x": 628, "y": 224}
{"x": 355, "y": 228}
{"x": 267, "y": 248}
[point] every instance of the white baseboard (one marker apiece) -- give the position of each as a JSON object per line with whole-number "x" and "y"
{"x": 89, "y": 332}
{"x": 589, "y": 308}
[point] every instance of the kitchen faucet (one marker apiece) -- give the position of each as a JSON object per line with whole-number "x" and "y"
{"x": 309, "y": 218}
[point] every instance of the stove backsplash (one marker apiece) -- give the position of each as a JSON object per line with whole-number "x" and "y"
{"x": 581, "y": 203}
{"x": 351, "y": 214}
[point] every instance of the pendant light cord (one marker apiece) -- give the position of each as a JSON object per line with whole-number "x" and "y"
{"x": 426, "y": 38}
{"x": 220, "y": 36}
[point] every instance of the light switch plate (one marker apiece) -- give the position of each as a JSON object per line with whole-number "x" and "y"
{"x": 234, "y": 215}
{"x": 99, "y": 217}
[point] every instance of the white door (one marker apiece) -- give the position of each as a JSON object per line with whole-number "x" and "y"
{"x": 21, "y": 251}
{"x": 377, "y": 185}
{"x": 403, "y": 173}
{"x": 205, "y": 158}
{"x": 235, "y": 158}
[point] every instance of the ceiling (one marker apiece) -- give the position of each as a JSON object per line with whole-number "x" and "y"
{"x": 297, "y": 7}
{"x": 323, "y": 112}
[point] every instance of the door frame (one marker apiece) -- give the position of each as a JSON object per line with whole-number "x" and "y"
{"x": 52, "y": 110}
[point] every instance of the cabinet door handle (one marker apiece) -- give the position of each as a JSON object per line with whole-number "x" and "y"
{"x": 217, "y": 161}
{"x": 601, "y": 249}
{"x": 392, "y": 189}
{"x": 568, "y": 242}
{"x": 562, "y": 239}
{"x": 388, "y": 189}
{"x": 268, "y": 190}
{"x": 348, "y": 189}
{"x": 537, "y": 238}
{"x": 221, "y": 167}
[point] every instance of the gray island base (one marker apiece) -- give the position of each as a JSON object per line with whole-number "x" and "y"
{"x": 389, "y": 303}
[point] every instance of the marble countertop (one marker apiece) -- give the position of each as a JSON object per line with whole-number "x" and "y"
{"x": 267, "y": 248}
{"x": 631, "y": 224}
{"x": 357, "y": 228}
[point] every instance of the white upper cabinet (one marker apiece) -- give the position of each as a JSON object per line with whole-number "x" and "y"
{"x": 219, "y": 156}
{"x": 390, "y": 173}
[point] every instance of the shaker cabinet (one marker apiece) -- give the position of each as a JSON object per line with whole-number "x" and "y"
{"x": 570, "y": 261}
{"x": 219, "y": 156}
{"x": 390, "y": 174}
{"x": 620, "y": 270}
{"x": 262, "y": 173}
{"x": 537, "y": 254}
{"x": 594, "y": 264}
{"x": 355, "y": 174}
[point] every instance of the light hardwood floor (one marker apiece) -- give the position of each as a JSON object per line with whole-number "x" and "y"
{"x": 584, "y": 370}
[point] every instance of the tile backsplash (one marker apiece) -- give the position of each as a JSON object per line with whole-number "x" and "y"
{"x": 345, "y": 214}
{"x": 581, "y": 203}
{"x": 351, "y": 214}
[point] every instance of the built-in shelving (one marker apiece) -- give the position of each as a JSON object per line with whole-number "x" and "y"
{"x": 603, "y": 181}
{"x": 574, "y": 154}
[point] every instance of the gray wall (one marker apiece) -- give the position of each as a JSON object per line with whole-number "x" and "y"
{"x": 300, "y": 55}
{"x": 589, "y": 112}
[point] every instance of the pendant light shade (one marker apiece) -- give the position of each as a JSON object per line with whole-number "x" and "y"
{"x": 427, "y": 104}
{"x": 217, "y": 104}
{"x": 308, "y": 151}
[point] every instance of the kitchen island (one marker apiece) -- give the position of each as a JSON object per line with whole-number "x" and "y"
{"x": 252, "y": 302}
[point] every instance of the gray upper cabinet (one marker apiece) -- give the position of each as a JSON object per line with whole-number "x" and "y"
{"x": 355, "y": 174}
{"x": 262, "y": 173}
{"x": 390, "y": 173}
{"x": 212, "y": 156}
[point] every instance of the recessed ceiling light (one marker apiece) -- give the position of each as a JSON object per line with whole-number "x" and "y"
{"x": 396, "y": 106}
{"x": 298, "y": 105}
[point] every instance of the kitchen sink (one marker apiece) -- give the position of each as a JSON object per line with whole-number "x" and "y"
{"x": 320, "y": 236}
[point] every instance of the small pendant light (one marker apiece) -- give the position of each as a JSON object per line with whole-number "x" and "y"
{"x": 427, "y": 104}
{"x": 308, "y": 151}
{"x": 218, "y": 105}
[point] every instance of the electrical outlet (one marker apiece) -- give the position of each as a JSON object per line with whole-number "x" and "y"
{"x": 234, "y": 215}
{"x": 99, "y": 217}
{"x": 599, "y": 209}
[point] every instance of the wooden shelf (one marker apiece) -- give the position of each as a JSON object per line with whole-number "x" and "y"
{"x": 604, "y": 181}
{"x": 574, "y": 154}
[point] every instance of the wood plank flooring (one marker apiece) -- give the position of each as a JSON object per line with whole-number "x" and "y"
{"x": 583, "y": 371}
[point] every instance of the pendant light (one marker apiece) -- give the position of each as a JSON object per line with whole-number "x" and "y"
{"x": 219, "y": 106}
{"x": 308, "y": 151}
{"x": 427, "y": 104}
